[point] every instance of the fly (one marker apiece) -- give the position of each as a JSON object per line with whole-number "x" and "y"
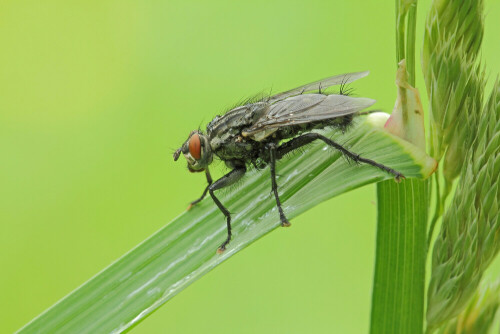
{"x": 252, "y": 134}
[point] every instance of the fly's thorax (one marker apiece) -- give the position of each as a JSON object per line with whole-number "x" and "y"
{"x": 230, "y": 124}
{"x": 224, "y": 131}
{"x": 197, "y": 151}
{"x": 234, "y": 148}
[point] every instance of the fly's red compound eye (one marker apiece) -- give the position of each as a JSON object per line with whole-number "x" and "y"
{"x": 195, "y": 146}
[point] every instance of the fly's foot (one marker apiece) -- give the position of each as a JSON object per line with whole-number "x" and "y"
{"x": 399, "y": 177}
{"x": 193, "y": 203}
{"x": 222, "y": 247}
{"x": 285, "y": 222}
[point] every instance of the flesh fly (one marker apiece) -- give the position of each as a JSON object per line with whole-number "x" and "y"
{"x": 252, "y": 134}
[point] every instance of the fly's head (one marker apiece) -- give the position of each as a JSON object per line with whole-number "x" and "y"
{"x": 197, "y": 151}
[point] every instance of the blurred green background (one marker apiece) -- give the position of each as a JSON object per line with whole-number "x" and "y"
{"x": 94, "y": 97}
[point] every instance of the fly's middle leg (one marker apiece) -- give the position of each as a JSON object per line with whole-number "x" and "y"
{"x": 209, "y": 180}
{"x": 223, "y": 182}
{"x": 312, "y": 136}
{"x": 272, "y": 163}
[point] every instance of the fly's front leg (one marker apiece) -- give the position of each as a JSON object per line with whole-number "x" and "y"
{"x": 272, "y": 163}
{"x": 310, "y": 137}
{"x": 209, "y": 180}
{"x": 223, "y": 182}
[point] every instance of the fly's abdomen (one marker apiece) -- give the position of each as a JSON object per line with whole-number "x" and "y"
{"x": 340, "y": 123}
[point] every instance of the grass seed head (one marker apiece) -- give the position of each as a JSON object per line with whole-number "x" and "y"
{"x": 470, "y": 235}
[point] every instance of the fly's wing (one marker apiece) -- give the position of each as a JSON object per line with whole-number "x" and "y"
{"x": 320, "y": 84}
{"x": 305, "y": 108}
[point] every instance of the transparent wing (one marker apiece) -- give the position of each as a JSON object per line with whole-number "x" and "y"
{"x": 307, "y": 108}
{"x": 320, "y": 84}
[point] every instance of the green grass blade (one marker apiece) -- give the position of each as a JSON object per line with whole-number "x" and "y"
{"x": 398, "y": 294}
{"x": 137, "y": 284}
{"x": 398, "y": 288}
{"x": 399, "y": 279}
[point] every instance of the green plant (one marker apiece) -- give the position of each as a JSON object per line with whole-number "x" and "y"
{"x": 398, "y": 293}
{"x": 129, "y": 290}
{"x": 464, "y": 137}
{"x": 470, "y": 235}
{"x": 479, "y": 314}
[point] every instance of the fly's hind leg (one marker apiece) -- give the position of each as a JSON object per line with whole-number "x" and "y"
{"x": 223, "y": 182}
{"x": 209, "y": 180}
{"x": 312, "y": 136}
{"x": 272, "y": 161}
